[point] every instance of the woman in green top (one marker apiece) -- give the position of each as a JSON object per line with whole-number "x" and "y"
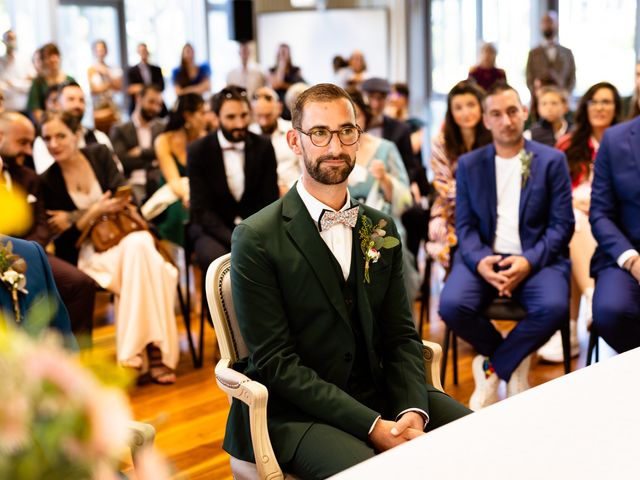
{"x": 51, "y": 75}
{"x": 186, "y": 124}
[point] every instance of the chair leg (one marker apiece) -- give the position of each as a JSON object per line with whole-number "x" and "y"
{"x": 186, "y": 317}
{"x": 566, "y": 346}
{"x": 445, "y": 356}
{"x": 454, "y": 339}
{"x": 593, "y": 345}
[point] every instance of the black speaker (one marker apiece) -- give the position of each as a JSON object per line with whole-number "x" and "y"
{"x": 240, "y": 17}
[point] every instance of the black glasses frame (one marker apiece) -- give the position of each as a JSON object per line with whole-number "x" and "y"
{"x": 331, "y": 133}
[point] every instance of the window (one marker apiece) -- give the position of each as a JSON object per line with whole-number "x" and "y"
{"x": 454, "y": 43}
{"x": 601, "y": 35}
{"x": 507, "y": 24}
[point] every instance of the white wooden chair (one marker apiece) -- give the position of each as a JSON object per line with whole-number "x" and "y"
{"x": 254, "y": 394}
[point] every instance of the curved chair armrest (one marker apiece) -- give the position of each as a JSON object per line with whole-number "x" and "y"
{"x": 142, "y": 435}
{"x": 255, "y": 395}
{"x": 432, "y": 355}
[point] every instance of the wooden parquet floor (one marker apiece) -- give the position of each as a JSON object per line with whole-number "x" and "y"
{"x": 190, "y": 415}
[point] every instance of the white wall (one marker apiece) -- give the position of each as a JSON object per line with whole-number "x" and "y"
{"x": 315, "y": 37}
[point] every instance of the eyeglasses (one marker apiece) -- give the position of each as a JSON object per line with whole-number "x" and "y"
{"x": 233, "y": 93}
{"x": 321, "y": 137}
{"x": 600, "y": 103}
{"x": 268, "y": 97}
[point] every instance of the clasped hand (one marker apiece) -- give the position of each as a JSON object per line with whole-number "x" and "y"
{"x": 387, "y": 434}
{"x": 507, "y": 280}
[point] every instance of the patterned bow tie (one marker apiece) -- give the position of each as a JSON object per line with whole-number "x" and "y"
{"x": 347, "y": 217}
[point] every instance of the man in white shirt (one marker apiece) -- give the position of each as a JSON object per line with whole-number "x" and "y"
{"x": 329, "y": 333}
{"x": 232, "y": 175}
{"x": 16, "y": 74}
{"x": 247, "y": 75}
{"x": 514, "y": 222}
{"x": 267, "y": 108}
{"x": 133, "y": 141}
{"x": 71, "y": 100}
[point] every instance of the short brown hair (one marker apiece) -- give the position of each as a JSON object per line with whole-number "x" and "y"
{"x": 560, "y": 92}
{"x": 322, "y": 92}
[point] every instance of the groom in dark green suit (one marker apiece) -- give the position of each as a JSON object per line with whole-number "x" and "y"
{"x": 318, "y": 290}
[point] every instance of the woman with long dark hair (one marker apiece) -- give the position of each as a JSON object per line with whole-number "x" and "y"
{"x": 187, "y": 122}
{"x": 284, "y": 74}
{"x": 599, "y": 108}
{"x": 190, "y": 77}
{"x": 463, "y": 131}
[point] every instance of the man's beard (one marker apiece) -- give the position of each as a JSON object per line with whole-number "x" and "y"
{"x": 235, "y": 134}
{"x": 267, "y": 130}
{"x": 146, "y": 115}
{"x": 548, "y": 34}
{"x": 329, "y": 175}
{"x": 77, "y": 114}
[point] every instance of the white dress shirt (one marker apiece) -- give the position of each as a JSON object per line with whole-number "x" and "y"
{"x": 233, "y": 158}
{"x": 508, "y": 187}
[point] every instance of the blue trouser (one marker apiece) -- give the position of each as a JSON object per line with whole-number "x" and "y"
{"x": 544, "y": 295}
{"x": 616, "y": 308}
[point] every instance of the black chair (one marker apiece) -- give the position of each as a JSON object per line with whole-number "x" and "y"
{"x": 196, "y": 354}
{"x": 594, "y": 345}
{"x": 501, "y": 308}
{"x": 425, "y": 296}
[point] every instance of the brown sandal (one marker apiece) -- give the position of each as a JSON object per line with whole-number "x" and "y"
{"x": 159, "y": 372}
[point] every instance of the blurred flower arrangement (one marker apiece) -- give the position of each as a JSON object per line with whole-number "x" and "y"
{"x": 57, "y": 419}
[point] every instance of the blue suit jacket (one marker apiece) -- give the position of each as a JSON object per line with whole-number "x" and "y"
{"x": 40, "y": 286}
{"x": 615, "y": 195}
{"x": 546, "y": 217}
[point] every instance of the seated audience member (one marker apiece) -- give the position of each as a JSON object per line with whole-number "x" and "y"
{"x": 354, "y": 73}
{"x": 16, "y": 74}
{"x": 186, "y": 124}
{"x": 76, "y": 288}
{"x": 104, "y": 82}
{"x": 379, "y": 180}
{"x": 538, "y": 84}
{"x": 78, "y": 189}
{"x": 51, "y": 74}
{"x": 615, "y": 223}
{"x": 398, "y": 108}
{"x": 71, "y": 100}
{"x": 266, "y": 109}
{"x": 553, "y": 106}
{"x": 302, "y": 302}
{"x": 41, "y": 296}
{"x": 284, "y": 74}
{"x": 232, "y": 174}
{"x": 141, "y": 75}
{"x": 133, "y": 142}
{"x": 514, "y": 223}
{"x": 190, "y": 77}
{"x": 247, "y": 75}
{"x": 599, "y": 108}
{"x": 463, "y": 130}
{"x": 485, "y": 73}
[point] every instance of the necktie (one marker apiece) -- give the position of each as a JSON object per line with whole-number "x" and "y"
{"x": 347, "y": 217}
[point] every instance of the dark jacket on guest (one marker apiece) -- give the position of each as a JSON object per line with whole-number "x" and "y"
{"x": 56, "y": 196}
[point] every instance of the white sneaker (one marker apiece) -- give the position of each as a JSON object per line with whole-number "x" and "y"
{"x": 552, "y": 350}
{"x": 486, "y": 391}
{"x": 519, "y": 381}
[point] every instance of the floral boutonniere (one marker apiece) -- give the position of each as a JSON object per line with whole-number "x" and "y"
{"x": 373, "y": 239}
{"x": 12, "y": 275}
{"x": 525, "y": 159}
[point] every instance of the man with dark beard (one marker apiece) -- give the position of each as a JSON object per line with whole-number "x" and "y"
{"x": 77, "y": 290}
{"x": 133, "y": 142}
{"x": 325, "y": 315}
{"x": 71, "y": 100}
{"x": 550, "y": 59}
{"x": 232, "y": 175}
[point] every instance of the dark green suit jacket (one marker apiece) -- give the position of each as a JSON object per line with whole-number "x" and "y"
{"x": 292, "y": 315}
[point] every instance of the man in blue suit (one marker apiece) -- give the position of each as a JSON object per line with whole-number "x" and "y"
{"x": 615, "y": 223}
{"x": 514, "y": 222}
{"x": 42, "y": 294}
